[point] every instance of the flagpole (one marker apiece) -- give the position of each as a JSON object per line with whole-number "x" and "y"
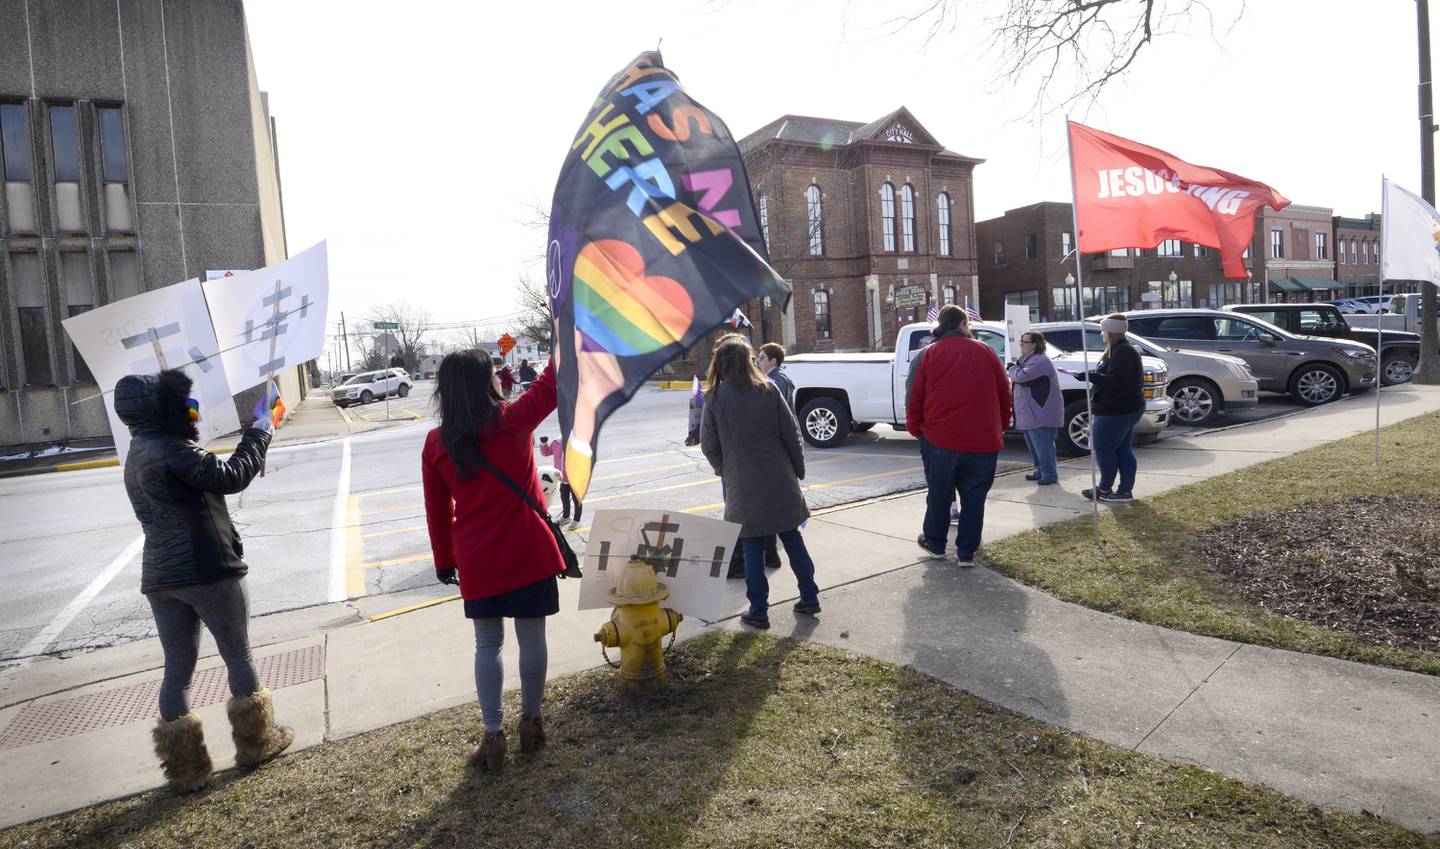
{"x": 1084, "y": 346}
{"x": 1380, "y": 325}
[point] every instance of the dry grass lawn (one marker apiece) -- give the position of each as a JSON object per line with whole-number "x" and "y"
{"x": 757, "y": 742}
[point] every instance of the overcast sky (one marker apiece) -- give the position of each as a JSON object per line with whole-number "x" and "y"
{"x": 417, "y": 136}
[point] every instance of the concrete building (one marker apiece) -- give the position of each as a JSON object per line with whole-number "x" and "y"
{"x": 1022, "y": 262}
{"x": 138, "y": 151}
{"x": 1357, "y": 255}
{"x": 868, "y": 222}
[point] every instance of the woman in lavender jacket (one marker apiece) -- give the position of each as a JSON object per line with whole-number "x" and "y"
{"x": 1039, "y": 408}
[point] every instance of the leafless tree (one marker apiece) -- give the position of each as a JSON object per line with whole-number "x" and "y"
{"x": 1071, "y": 49}
{"x": 535, "y": 321}
{"x": 412, "y": 326}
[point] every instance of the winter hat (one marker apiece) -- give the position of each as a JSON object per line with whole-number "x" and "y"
{"x": 1114, "y": 325}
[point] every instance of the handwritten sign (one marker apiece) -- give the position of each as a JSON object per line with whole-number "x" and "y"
{"x": 690, "y": 554}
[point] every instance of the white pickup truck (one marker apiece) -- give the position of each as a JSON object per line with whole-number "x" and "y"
{"x": 1402, "y": 313}
{"x": 837, "y": 394}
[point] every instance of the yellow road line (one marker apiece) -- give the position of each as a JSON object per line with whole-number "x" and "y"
{"x": 399, "y": 509}
{"x": 689, "y": 484}
{"x": 354, "y": 551}
{"x": 411, "y": 608}
{"x": 392, "y": 533}
{"x": 374, "y": 492}
{"x": 344, "y": 415}
{"x": 398, "y": 561}
{"x": 689, "y": 465}
{"x": 88, "y": 464}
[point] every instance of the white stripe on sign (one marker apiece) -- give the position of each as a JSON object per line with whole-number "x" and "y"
{"x": 338, "y": 530}
{"x": 48, "y": 635}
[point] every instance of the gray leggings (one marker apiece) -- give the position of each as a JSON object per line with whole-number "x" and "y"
{"x": 224, "y": 608}
{"x": 490, "y": 669}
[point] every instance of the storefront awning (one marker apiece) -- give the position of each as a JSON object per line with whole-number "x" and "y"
{"x": 1316, "y": 283}
{"x": 1285, "y": 284}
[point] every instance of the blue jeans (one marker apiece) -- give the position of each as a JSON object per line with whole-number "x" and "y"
{"x": 757, "y": 588}
{"x": 1110, "y": 440}
{"x": 1041, "y": 441}
{"x": 950, "y": 472}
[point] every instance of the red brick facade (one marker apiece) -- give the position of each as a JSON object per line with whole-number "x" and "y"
{"x": 854, "y": 269}
{"x": 1357, "y": 255}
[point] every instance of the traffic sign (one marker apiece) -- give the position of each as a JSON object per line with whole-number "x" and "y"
{"x": 386, "y": 325}
{"x": 506, "y": 343}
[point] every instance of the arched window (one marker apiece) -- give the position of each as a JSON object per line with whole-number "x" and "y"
{"x": 943, "y": 202}
{"x": 887, "y": 215}
{"x": 815, "y": 215}
{"x": 907, "y": 218}
{"x": 949, "y": 293}
{"x": 822, "y": 314}
{"x": 765, "y": 220}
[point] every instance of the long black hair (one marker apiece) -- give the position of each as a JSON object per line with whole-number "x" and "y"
{"x": 468, "y": 405}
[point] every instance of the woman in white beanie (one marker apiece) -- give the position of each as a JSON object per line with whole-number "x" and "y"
{"x": 1117, "y": 401}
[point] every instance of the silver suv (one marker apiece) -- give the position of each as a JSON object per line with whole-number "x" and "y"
{"x": 368, "y": 386}
{"x": 1311, "y": 369}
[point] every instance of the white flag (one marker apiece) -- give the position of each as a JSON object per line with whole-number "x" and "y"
{"x": 1410, "y": 237}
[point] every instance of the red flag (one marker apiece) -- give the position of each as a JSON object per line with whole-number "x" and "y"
{"x": 1131, "y": 195}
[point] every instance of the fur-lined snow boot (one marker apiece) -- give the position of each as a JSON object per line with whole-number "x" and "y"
{"x": 180, "y": 745}
{"x": 252, "y": 725}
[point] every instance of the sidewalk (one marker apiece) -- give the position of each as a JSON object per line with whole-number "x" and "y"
{"x": 76, "y": 731}
{"x": 316, "y": 419}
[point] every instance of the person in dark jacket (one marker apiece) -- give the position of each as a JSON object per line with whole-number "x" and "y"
{"x": 1117, "y": 402}
{"x": 192, "y": 570}
{"x": 526, "y": 374}
{"x": 1039, "y": 408}
{"x": 490, "y": 540}
{"x": 959, "y": 407}
{"x": 752, "y": 441}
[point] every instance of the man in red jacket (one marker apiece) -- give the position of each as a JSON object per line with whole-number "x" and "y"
{"x": 959, "y": 407}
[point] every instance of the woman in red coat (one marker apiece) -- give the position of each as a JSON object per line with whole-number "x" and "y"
{"x": 489, "y": 539}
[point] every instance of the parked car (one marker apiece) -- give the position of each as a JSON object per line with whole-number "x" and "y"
{"x": 1402, "y": 314}
{"x": 1312, "y": 370}
{"x": 837, "y": 394}
{"x": 1398, "y": 359}
{"x": 1203, "y": 385}
{"x": 1367, "y": 305}
{"x": 371, "y": 386}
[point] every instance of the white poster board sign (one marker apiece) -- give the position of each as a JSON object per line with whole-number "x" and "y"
{"x": 694, "y": 557}
{"x": 1017, "y": 324}
{"x": 134, "y": 335}
{"x": 272, "y": 318}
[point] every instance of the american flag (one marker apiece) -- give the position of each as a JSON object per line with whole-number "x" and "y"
{"x": 738, "y": 320}
{"x": 970, "y": 311}
{"x": 934, "y": 313}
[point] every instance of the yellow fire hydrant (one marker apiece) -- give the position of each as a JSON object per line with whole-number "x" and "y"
{"x": 637, "y": 624}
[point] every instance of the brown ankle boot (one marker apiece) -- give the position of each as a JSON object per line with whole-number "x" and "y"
{"x": 532, "y": 734}
{"x": 252, "y": 726}
{"x": 490, "y": 754}
{"x": 180, "y": 745}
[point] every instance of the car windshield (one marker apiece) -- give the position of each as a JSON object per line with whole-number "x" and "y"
{"x": 359, "y": 378}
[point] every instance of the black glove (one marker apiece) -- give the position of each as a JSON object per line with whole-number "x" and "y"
{"x": 1083, "y": 376}
{"x": 447, "y": 576}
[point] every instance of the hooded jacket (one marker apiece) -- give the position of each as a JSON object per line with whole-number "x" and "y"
{"x": 177, "y": 488}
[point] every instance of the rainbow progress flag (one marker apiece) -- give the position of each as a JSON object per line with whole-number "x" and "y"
{"x": 654, "y": 242}
{"x": 270, "y": 397}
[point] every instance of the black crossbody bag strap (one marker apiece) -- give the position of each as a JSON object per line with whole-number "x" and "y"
{"x": 572, "y": 563}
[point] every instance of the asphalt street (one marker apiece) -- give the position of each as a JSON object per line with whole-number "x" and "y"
{"x": 344, "y": 518}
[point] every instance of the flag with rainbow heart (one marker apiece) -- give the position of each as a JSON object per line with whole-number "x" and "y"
{"x": 654, "y": 242}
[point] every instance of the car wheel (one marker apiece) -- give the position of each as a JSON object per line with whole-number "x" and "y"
{"x": 825, "y": 422}
{"x": 1317, "y": 384}
{"x": 1399, "y": 368}
{"x": 1074, "y": 437}
{"x": 862, "y": 427}
{"x": 404, "y": 390}
{"x": 1197, "y": 401}
{"x": 367, "y": 396}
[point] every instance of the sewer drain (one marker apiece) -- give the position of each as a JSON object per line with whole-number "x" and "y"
{"x": 37, "y": 723}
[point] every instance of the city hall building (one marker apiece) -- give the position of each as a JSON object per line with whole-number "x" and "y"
{"x": 137, "y": 151}
{"x": 869, "y": 222}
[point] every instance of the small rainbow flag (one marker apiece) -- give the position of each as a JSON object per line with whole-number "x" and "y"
{"x": 270, "y": 399}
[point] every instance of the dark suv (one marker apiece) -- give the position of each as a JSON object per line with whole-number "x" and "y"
{"x": 1402, "y": 349}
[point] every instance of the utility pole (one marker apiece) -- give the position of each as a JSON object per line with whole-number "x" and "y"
{"x": 1429, "y": 368}
{"x": 345, "y": 339}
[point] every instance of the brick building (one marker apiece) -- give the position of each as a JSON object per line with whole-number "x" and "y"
{"x": 1357, "y": 255}
{"x": 1022, "y": 262}
{"x": 868, "y": 222}
{"x": 1297, "y": 246}
{"x": 137, "y": 151}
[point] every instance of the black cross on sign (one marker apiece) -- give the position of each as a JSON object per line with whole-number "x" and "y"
{"x": 662, "y": 558}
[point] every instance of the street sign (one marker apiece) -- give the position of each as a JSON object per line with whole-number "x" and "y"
{"x": 911, "y": 296}
{"x": 506, "y": 343}
{"x": 386, "y": 325}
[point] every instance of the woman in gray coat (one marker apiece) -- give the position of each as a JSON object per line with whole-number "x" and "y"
{"x": 1039, "y": 407}
{"x": 752, "y": 440}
